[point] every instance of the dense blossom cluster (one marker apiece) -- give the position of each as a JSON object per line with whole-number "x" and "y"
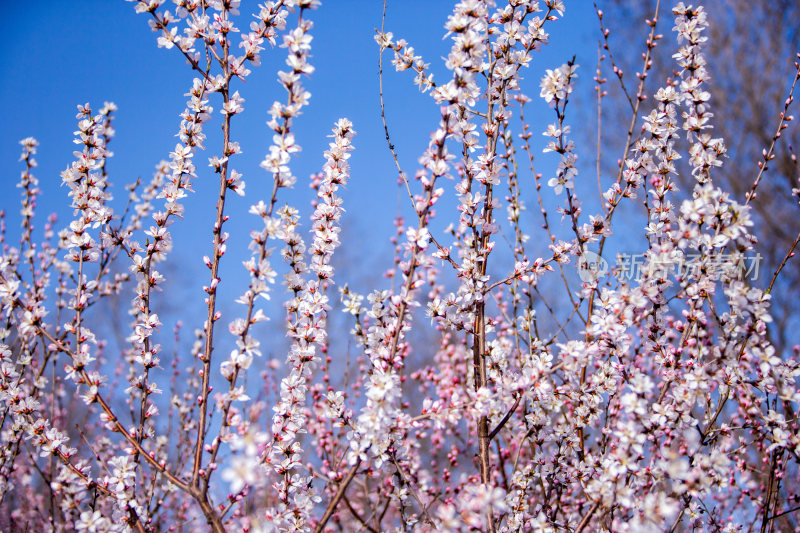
{"x": 654, "y": 404}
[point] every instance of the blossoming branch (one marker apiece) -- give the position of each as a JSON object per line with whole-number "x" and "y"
{"x": 492, "y": 387}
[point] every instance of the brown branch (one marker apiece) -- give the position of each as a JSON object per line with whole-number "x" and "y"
{"x": 789, "y": 254}
{"x": 769, "y": 154}
{"x": 505, "y": 419}
{"x": 337, "y": 497}
{"x": 586, "y": 518}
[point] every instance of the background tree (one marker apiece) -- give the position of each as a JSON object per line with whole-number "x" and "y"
{"x": 751, "y": 50}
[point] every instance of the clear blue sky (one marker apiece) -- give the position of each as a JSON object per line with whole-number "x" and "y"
{"x": 60, "y": 54}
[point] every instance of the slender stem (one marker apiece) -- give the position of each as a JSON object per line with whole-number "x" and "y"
{"x": 769, "y": 153}
{"x": 337, "y": 497}
{"x": 789, "y": 254}
{"x": 211, "y": 317}
{"x": 585, "y": 521}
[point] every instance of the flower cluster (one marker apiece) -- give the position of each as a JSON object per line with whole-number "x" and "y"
{"x": 307, "y": 324}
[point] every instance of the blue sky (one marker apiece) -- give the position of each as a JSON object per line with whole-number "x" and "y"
{"x": 61, "y": 54}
